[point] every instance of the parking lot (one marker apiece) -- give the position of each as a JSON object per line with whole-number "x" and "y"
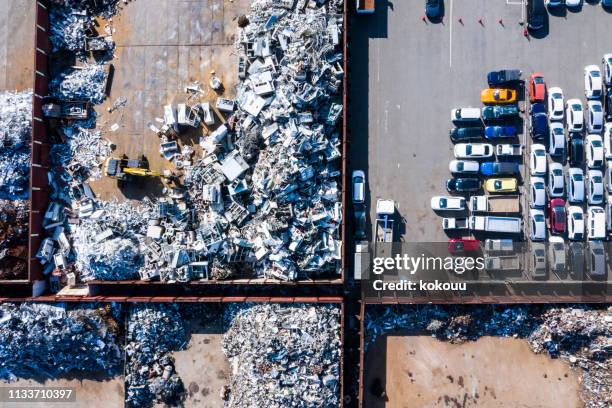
{"x": 418, "y": 71}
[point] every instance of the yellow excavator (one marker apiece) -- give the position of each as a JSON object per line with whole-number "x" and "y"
{"x": 123, "y": 168}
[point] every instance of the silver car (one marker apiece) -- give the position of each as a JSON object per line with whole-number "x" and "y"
{"x": 575, "y": 185}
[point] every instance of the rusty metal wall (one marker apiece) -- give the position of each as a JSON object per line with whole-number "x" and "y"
{"x": 39, "y": 188}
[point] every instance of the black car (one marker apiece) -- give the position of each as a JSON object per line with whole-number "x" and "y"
{"x": 433, "y": 9}
{"x": 503, "y": 77}
{"x": 576, "y": 260}
{"x": 466, "y": 134}
{"x": 576, "y": 150}
{"x": 459, "y": 185}
{"x": 536, "y": 14}
{"x": 608, "y": 103}
{"x": 539, "y": 121}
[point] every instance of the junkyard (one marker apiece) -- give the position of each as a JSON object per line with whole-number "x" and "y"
{"x": 194, "y": 195}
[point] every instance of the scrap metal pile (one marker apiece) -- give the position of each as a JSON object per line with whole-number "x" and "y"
{"x": 15, "y": 151}
{"x": 283, "y": 355}
{"x": 14, "y": 216}
{"x": 42, "y": 340}
{"x": 86, "y": 83}
{"x": 15, "y": 136}
{"x": 267, "y": 187}
{"x": 579, "y": 335}
{"x": 155, "y": 330}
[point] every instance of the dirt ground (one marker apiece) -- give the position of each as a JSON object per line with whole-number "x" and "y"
{"x": 203, "y": 366}
{"x": 162, "y": 46}
{"x": 17, "y": 30}
{"x": 421, "y": 371}
{"x": 89, "y": 393}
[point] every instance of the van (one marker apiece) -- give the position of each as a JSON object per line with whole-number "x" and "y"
{"x": 597, "y": 260}
{"x": 536, "y": 14}
{"x": 465, "y": 115}
{"x": 597, "y": 223}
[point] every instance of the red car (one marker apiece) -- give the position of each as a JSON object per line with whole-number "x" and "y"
{"x": 456, "y": 245}
{"x": 537, "y": 88}
{"x": 556, "y": 215}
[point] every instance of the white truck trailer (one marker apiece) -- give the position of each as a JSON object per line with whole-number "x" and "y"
{"x": 509, "y": 225}
{"x": 507, "y": 204}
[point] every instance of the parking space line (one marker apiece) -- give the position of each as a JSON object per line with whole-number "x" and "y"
{"x": 450, "y": 34}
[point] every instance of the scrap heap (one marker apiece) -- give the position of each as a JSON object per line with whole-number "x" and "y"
{"x": 283, "y": 356}
{"x": 73, "y": 26}
{"x": 15, "y": 136}
{"x": 155, "y": 330}
{"x": 267, "y": 186}
{"x": 86, "y": 83}
{"x": 14, "y": 217}
{"x": 41, "y": 340}
{"x": 579, "y": 335}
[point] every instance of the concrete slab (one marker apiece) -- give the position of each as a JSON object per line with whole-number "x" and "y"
{"x": 90, "y": 392}
{"x": 162, "y": 46}
{"x": 203, "y": 366}
{"x": 17, "y": 31}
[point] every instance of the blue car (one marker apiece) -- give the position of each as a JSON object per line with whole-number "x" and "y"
{"x": 537, "y": 108}
{"x": 499, "y": 168}
{"x": 496, "y": 132}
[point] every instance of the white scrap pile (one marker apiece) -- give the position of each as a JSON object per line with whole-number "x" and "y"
{"x": 283, "y": 355}
{"x": 106, "y": 242}
{"x": 155, "y": 330}
{"x": 87, "y": 83}
{"x": 40, "y": 340}
{"x": 15, "y": 136}
{"x": 269, "y": 179}
{"x": 580, "y": 335}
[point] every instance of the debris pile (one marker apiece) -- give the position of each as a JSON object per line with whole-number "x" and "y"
{"x": 579, "y": 335}
{"x": 15, "y": 152}
{"x": 283, "y": 355}
{"x": 14, "y": 216}
{"x": 267, "y": 187}
{"x": 42, "y": 340}
{"x": 106, "y": 241}
{"x": 102, "y": 8}
{"x": 15, "y": 136}
{"x": 155, "y": 330}
{"x": 86, "y": 83}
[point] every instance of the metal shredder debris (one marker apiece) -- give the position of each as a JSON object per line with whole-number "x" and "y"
{"x": 42, "y": 340}
{"x": 283, "y": 355}
{"x": 155, "y": 330}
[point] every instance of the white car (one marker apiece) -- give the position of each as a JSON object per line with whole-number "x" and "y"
{"x": 607, "y": 68}
{"x": 556, "y": 254}
{"x": 556, "y": 180}
{"x": 607, "y": 140}
{"x": 537, "y": 160}
{"x": 442, "y": 203}
{"x": 556, "y": 140}
{"x": 473, "y": 150}
{"x": 595, "y": 188}
{"x": 596, "y": 223}
{"x": 464, "y": 167}
{"x": 573, "y": 115}
{"x": 575, "y": 185}
{"x": 595, "y": 123}
{"x": 358, "y": 186}
{"x": 537, "y": 223}
{"x": 575, "y": 223}
{"x": 592, "y": 82}
{"x": 555, "y": 103}
{"x": 461, "y": 115}
{"x": 594, "y": 151}
{"x": 537, "y": 192}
